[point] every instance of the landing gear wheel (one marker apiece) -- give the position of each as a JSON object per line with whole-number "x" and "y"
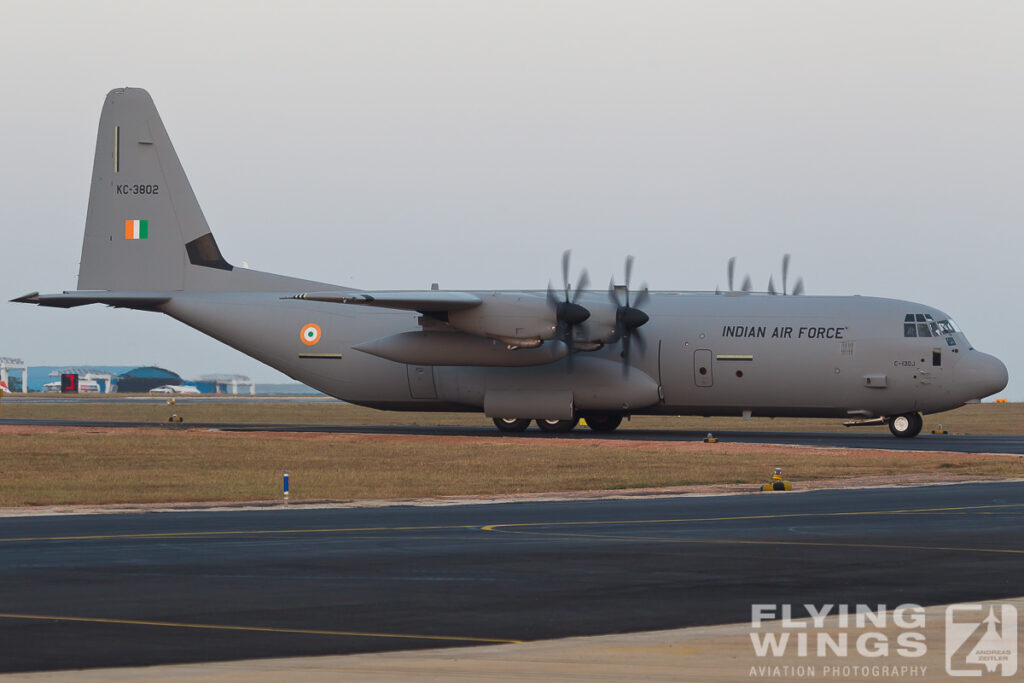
{"x": 906, "y": 426}
{"x": 604, "y": 423}
{"x": 557, "y": 426}
{"x": 511, "y": 424}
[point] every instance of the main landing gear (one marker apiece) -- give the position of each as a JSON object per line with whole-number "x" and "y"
{"x": 906, "y": 426}
{"x": 604, "y": 423}
{"x": 597, "y": 423}
{"x": 511, "y": 424}
{"x": 558, "y": 426}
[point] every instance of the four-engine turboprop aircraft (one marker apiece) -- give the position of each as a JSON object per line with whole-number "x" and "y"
{"x": 515, "y": 355}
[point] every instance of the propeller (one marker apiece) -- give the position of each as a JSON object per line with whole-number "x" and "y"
{"x": 798, "y": 289}
{"x": 628, "y": 316}
{"x": 568, "y": 313}
{"x": 731, "y": 270}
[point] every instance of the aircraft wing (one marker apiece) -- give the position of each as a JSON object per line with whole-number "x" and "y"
{"x": 425, "y": 302}
{"x": 137, "y": 300}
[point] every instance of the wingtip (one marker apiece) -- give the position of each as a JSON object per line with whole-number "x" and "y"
{"x": 31, "y": 298}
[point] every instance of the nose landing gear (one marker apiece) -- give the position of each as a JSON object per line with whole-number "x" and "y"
{"x": 906, "y": 426}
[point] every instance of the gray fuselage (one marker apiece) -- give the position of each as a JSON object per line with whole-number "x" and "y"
{"x": 704, "y": 354}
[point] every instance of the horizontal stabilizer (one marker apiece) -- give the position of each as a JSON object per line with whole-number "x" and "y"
{"x": 425, "y": 302}
{"x": 136, "y": 300}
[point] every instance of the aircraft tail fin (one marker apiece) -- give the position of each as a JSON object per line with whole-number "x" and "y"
{"x": 144, "y": 231}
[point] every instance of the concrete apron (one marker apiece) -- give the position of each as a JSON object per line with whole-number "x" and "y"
{"x": 705, "y": 653}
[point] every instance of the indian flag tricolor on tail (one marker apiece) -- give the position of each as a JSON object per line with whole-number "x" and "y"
{"x": 135, "y": 229}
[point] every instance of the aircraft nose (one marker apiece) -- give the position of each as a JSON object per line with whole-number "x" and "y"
{"x": 982, "y": 375}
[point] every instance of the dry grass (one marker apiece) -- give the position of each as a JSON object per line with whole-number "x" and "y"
{"x": 47, "y": 466}
{"x": 986, "y": 418}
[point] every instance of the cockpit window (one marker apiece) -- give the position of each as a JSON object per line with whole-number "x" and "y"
{"x": 924, "y": 325}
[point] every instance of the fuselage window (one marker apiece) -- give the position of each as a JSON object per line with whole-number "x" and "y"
{"x": 950, "y": 341}
{"x": 936, "y": 357}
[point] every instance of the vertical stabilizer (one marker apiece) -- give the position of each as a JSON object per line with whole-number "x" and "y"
{"x": 144, "y": 231}
{"x": 142, "y": 211}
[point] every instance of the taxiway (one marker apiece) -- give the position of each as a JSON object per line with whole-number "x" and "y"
{"x": 114, "y": 590}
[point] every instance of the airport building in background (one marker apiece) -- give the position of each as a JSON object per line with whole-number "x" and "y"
{"x": 106, "y": 379}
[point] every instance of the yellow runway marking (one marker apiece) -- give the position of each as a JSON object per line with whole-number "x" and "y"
{"x": 503, "y": 527}
{"x": 520, "y": 529}
{"x": 250, "y": 532}
{"x": 783, "y": 515}
{"x": 737, "y": 541}
{"x": 261, "y": 629}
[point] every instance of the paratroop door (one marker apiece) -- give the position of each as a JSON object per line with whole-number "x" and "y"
{"x": 702, "y": 375}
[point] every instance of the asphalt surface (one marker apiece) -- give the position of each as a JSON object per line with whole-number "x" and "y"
{"x": 956, "y": 443}
{"x": 134, "y": 589}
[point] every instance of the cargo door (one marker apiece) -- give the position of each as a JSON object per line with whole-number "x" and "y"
{"x": 702, "y": 370}
{"x": 421, "y": 381}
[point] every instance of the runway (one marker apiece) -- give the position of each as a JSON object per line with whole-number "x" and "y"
{"x": 954, "y": 443}
{"x": 115, "y": 590}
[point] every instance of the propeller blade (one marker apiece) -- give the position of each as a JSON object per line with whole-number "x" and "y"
{"x": 612, "y": 295}
{"x": 581, "y": 284}
{"x": 640, "y": 341}
{"x": 627, "y": 342}
{"x": 730, "y": 269}
{"x": 629, "y": 270}
{"x": 552, "y": 299}
{"x": 771, "y": 285}
{"x": 642, "y": 297}
{"x": 565, "y": 272}
{"x": 747, "y": 284}
{"x": 799, "y": 288}
{"x": 785, "y": 272}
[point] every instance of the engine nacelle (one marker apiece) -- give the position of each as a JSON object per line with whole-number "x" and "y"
{"x": 515, "y": 318}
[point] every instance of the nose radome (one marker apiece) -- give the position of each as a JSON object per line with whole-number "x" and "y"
{"x": 1000, "y": 376}
{"x": 982, "y": 375}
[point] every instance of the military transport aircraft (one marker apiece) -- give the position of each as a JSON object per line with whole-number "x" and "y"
{"x": 515, "y": 355}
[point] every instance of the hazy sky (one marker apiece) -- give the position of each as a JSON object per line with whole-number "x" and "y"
{"x": 394, "y": 144}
